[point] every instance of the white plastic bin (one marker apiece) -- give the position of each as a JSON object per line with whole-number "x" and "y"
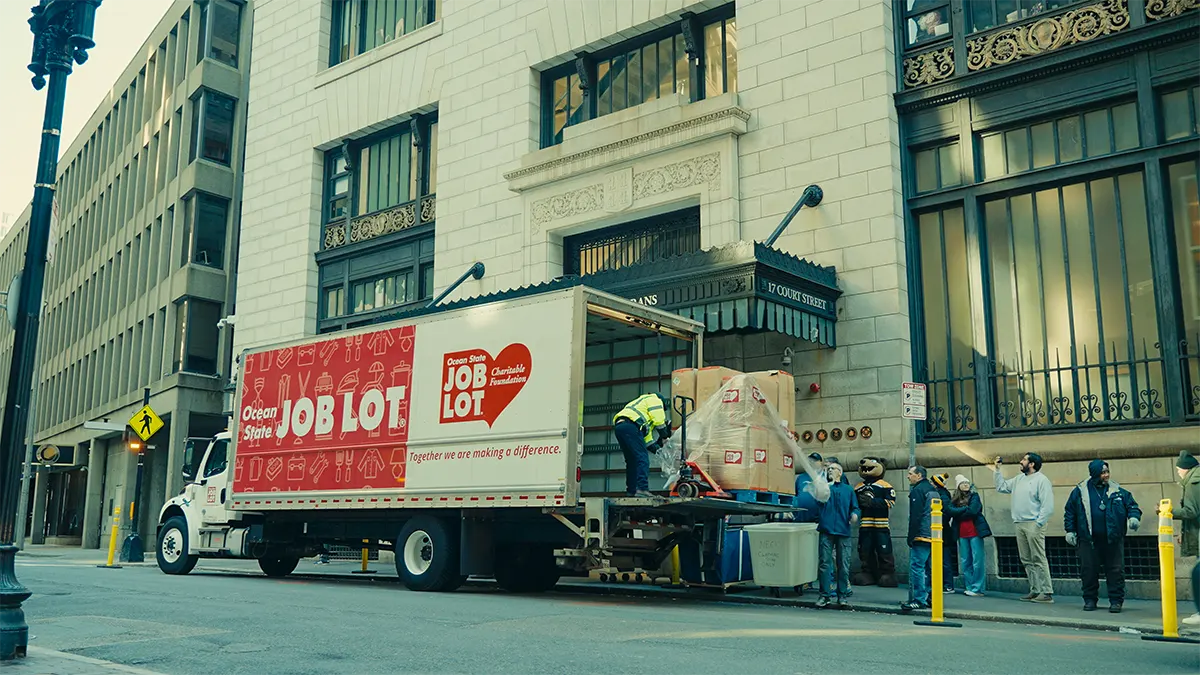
{"x": 783, "y": 554}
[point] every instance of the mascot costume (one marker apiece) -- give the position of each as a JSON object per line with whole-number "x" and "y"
{"x": 876, "y": 497}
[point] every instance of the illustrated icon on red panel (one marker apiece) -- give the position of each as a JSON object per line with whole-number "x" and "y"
{"x": 307, "y": 356}
{"x": 478, "y": 387}
{"x": 318, "y": 467}
{"x": 327, "y": 351}
{"x": 371, "y": 464}
{"x": 380, "y": 342}
{"x": 398, "y": 461}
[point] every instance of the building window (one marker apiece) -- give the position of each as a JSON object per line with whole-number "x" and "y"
{"x": 220, "y": 29}
{"x": 205, "y": 223}
{"x": 1068, "y": 139}
{"x": 1071, "y": 316}
{"x": 212, "y": 127}
{"x": 1180, "y": 114}
{"x": 337, "y": 181}
{"x": 387, "y": 173}
{"x": 357, "y": 288}
{"x": 362, "y": 25}
{"x": 643, "y": 241}
{"x": 196, "y": 336}
{"x": 926, "y": 21}
{"x": 1185, "y": 216}
{"x": 985, "y": 14}
{"x": 642, "y": 69}
{"x": 938, "y": 168}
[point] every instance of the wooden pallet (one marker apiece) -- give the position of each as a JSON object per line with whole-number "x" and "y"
{"x": 763, "y": 497}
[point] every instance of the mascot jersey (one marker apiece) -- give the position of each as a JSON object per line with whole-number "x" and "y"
{"x": 876, "y": 496}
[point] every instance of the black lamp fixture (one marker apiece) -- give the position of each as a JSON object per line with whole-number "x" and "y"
{"x": 62, "y": 34}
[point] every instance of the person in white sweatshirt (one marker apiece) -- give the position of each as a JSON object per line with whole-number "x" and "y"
{"x": 1032, "y": 506}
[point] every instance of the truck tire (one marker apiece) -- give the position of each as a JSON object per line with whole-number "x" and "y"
{"x": 525, "y": 568}
{"x": 172, "y": 553}
{"x": 427, "y": 555}
{"x": 278, "y": 566}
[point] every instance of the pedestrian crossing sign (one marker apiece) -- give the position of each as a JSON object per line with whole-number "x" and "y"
{"x": 145, "y": 423}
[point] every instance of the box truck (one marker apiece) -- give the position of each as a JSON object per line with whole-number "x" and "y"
{"x": 453, "y": 436}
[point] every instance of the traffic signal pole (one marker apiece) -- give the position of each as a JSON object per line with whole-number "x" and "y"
{"x": 133, "y": 550}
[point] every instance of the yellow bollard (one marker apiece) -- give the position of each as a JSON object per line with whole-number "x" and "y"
{"x": 1166, "y": 567}
{"x": 112, "y": 540}
{"x": 935, "y": 565}
{"x": 365, "y": 556}
{"x": 675, "y": 566}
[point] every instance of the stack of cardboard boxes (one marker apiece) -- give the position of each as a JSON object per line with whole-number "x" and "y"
{"x": 738, "y": 436}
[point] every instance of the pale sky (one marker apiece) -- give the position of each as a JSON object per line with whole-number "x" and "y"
{"x": 121, "y": 28}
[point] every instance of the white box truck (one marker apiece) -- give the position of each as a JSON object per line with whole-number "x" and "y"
{"x": 453, "y": 436}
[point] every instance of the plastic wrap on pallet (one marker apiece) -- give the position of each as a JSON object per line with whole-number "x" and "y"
{"x": 738, "y": 437}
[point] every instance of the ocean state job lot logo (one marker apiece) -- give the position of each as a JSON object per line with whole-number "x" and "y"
{"x": 478, "y": 387}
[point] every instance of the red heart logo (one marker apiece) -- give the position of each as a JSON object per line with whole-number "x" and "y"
{"x": 476, "y": 386}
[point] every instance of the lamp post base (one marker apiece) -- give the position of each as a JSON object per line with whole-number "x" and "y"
{"x": 14, "y": 632}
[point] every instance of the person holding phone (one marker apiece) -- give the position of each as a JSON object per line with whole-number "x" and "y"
{"x": 1032, "y": 505}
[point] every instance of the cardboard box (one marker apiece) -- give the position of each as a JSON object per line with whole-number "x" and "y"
{"x": 780, "y": 389}
{"x": 739, "y": 459}
{"x": 783, "y": 473}
{"x": 710, "y": 380}
{"x": 683, "y": 383}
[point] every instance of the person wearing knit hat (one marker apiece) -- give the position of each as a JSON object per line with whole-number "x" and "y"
{"x": 1098, "y": 515}
{"x": 970, "y": 528}
{"x": 1188, "y": 513}
{"x": 939, "y": 483}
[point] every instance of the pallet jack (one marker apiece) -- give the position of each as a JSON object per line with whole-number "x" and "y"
{"x": 693, "y": 481}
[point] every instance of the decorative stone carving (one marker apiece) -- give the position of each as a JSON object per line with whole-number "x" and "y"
{"x": 573, "y": 203}
{"x": 677, "y": 176}
{"x": 618, "y": 190}
{"x": 385, "y": 222}
{"x": 1048, "y": 34}
{"x": 929, "y": 67}
{"x": 695, "y": 171}
{"x": 1165, "y": 9}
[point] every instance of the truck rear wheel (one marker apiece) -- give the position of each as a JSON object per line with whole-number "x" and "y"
{"x": 427, "y": 555}
{"x": 278, "y": 566}
{"x": 172, "y": 553}
{"x": 526, "y": 568}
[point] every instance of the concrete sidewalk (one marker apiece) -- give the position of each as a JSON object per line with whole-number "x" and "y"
{"x": 1142, "y": 616}
{"x": 49, "y": 662}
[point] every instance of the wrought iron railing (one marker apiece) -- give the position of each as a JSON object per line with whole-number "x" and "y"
{"x": 395, "y": 219}
{"x": 1058, "y": 390}
{"x": 1189, "y": 365}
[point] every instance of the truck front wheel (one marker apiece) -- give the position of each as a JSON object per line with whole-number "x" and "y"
{"x": 172, "y": 551}
{"x": 278, "y": 566}
{"x": 526, "y": 568}
{"x": 427, "y": 555}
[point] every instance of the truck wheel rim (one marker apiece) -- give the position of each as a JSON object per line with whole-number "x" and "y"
{"x": 172, "y": 545}
{"x": 418, "y": 552}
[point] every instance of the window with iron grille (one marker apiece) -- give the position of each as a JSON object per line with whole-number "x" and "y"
{"x": 643, "y": 241}
{"x": 1141, "y": 558}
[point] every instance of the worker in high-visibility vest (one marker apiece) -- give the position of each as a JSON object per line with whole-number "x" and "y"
{"x": 641, "y": 428}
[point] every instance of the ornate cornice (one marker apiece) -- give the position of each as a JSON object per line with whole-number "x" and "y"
{"x": 611, "y": 153}
{"x": 929, "y": 67}
{"x": 1047, "y": 34}
{"x": 1165, "y": 9}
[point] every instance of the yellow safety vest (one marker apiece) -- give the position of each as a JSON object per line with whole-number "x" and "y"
{"x": 647, "y": 412}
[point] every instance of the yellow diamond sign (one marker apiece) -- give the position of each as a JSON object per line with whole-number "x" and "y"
{"x": 145, "y": 423}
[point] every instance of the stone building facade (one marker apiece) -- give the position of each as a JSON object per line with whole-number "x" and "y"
{"x": 652, "y": 148}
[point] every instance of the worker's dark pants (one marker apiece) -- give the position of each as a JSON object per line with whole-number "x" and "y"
{"x": 1107, "y": 555}
{"x": 637, "y": 459}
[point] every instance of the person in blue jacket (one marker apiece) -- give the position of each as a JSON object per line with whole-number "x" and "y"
{"x": 838, "y": 516}
{"x": 1098, "y": 515}
{"x": 808, "y": 509}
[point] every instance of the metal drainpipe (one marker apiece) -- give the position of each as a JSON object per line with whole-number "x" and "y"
{"x": 811, "y": 196}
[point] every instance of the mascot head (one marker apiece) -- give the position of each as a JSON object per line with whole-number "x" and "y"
{"x": 870, "y": 469}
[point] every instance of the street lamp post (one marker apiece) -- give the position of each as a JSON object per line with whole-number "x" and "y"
{"x": 62, "y": 34}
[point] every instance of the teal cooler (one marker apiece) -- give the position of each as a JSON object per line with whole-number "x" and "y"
{"x": 731, "y": 565}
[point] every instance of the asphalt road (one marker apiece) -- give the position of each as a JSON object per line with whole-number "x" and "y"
{"x": 223, "y": 624}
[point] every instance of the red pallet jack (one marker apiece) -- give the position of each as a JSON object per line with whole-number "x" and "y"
{"x": 693, "y": 481}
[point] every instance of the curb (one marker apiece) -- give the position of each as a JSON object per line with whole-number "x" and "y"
{"x": 646, "y": 591}
{"x": 37, "y": 653}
